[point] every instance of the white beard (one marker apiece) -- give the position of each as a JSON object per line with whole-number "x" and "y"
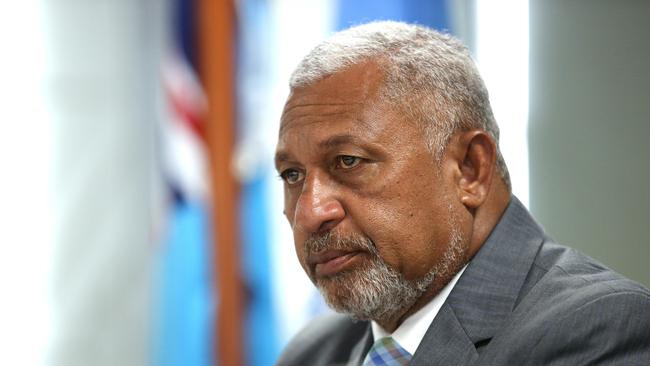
{"x": 377, "y": 291}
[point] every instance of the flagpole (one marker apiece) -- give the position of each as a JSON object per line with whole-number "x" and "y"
{"x": 216, "y": 22}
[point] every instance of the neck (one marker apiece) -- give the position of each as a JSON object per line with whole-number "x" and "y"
{"x": 488, "y": 215}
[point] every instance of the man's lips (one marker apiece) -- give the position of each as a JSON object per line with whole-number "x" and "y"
{"x": 329, "y": 262}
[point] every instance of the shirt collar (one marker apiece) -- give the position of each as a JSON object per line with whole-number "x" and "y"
{"x": 410, "y": 333}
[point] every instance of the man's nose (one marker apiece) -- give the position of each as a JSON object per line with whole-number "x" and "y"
{"x": 318, "y": 207}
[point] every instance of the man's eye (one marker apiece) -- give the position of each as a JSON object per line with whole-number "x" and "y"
{"x": 347, "y": 161}
{"x": 291, "y": 176}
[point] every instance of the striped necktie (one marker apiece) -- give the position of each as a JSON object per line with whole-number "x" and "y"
{"x": 387, "y": 352}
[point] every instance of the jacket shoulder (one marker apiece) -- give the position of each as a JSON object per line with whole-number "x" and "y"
{"x": 577, "y": 311}
{"x": 574, "y": 275}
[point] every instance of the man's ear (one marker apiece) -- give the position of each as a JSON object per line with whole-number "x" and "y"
{"x": 474, "y": 154}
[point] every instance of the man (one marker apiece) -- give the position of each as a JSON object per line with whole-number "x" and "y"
{"x": 402, "y": 216}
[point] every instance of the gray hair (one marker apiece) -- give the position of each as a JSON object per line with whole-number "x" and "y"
{"x": 431, "y": 76}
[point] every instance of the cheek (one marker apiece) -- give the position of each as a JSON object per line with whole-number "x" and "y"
{"x": 408, "y": 227}
{"x": 298, "y": 238}
{"x": 289, "y": 206}
{"x": 298, "y": 241}
{"x": 388, "y": 222}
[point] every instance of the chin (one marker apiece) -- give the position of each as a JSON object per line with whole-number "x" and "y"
{"x": 372, "y": 293}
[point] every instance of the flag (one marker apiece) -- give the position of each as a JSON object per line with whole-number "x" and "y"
{"x": 184, "y": 332}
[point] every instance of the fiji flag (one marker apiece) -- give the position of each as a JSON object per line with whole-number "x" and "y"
{"x": 184, "y": 319}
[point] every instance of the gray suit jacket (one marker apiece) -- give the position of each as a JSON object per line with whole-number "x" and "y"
{"x": 523, "y": 300}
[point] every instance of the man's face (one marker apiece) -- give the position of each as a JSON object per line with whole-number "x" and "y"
{"x": 368, "y": 204}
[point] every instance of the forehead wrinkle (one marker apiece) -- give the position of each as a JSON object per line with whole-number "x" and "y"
{"x": 358, "y": 125}
{"x": 337, "y": 140}
{"x": 295, "y": 113}
{"x": 291, "y": 106}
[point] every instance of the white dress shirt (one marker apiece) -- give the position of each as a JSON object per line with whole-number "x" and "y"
{"x": 410, "y": 333}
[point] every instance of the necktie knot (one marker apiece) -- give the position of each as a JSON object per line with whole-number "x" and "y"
{"x": 387, "y": 352}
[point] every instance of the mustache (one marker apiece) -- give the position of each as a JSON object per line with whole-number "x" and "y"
{"x": 332, "y": 240}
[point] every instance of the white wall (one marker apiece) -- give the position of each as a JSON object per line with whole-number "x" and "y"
{"x": 25, "y": 212}
{"x": 101, "y": 88}
{"x": 589, "y": 127}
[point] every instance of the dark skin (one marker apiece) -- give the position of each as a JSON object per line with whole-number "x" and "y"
{"x": 353, "y": 164}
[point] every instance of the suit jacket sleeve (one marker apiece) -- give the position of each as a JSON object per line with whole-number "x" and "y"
{"x": 330, "y": 340}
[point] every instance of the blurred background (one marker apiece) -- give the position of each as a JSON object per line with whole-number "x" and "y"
{"x": 140, "y": 214}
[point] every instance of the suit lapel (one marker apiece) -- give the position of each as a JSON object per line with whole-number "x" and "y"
{"x": 361, "y": 348}
{"x": 445, "y": 342}
{"x": 487, "y": 292}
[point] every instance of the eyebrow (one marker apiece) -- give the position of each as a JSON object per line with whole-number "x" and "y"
{"x": 330, "y": 142}
{"x": 281, "y": 156}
